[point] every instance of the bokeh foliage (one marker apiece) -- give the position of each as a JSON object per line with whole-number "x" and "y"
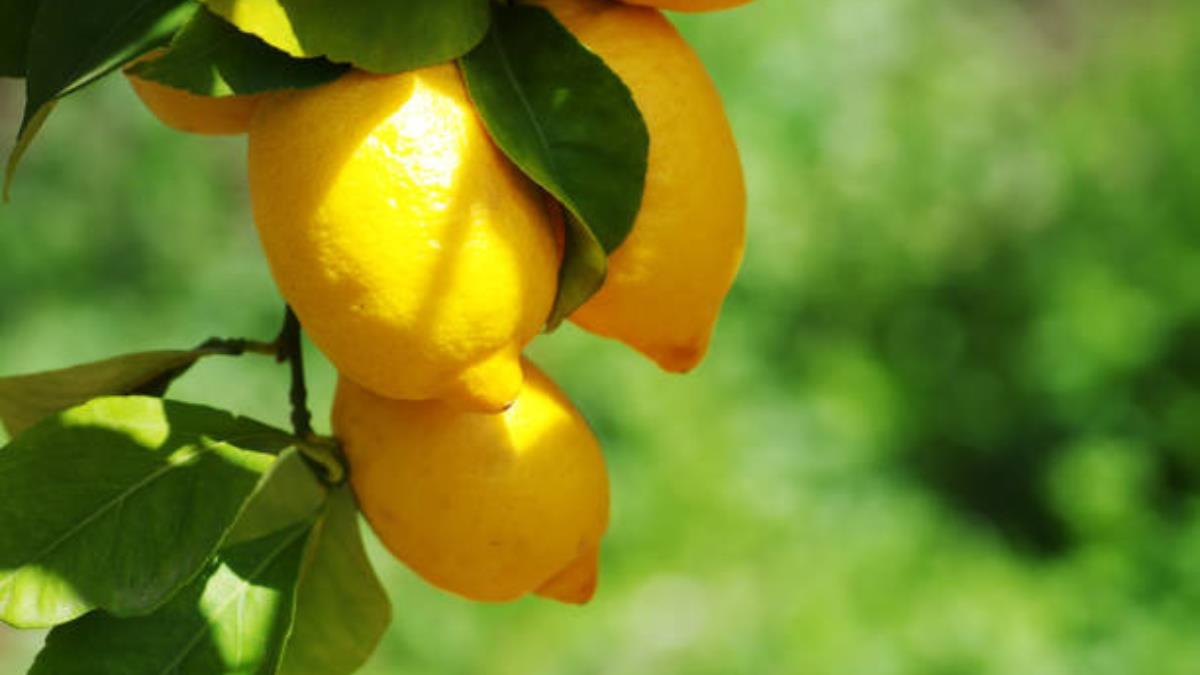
{"x": 951, "y": 417}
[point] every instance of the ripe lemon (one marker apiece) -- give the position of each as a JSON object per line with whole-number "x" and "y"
{"x": 667, "y": 281}
{"x": 689, "y": 5}
{"x": 419, "y": 259}
{"x": 185, "y": 111}
{"x": 488, "y": 506}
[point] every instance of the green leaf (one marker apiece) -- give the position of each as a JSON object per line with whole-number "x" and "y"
{"x": 289, "y": 494}
{"x": 29, "y": 129}
{"x": 75, "y": 43}
{"x": 571, "y": 124}
{"x": 212, "y": 58}
{"x": 116, "y": 504}
{"x": 231, "y": 620}
{"x": 27, "y": 399}
{"x": 16, "y": 21}
{"x": 342, "y": 610}
{"x": 382, "y": 36}
{"x": 583, "y": 270}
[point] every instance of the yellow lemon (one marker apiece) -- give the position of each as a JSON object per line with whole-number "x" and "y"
{"x": 488, "y": 506}
{"x": 667, "y": 281}
{"x": 689, "y": 5}
{"x": 185, "y": 111}
{"x": 418, "y": 258}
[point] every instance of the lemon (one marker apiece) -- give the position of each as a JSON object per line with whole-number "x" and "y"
{"x": 667, "y": 281}
{"x": 689, "y": 5}
{"x": 488, "y": 506}
{"x": 185, "y": 111}
{"x": 418, "y": 258}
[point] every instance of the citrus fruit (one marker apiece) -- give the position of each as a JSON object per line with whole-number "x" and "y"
{"x": 689, "y": 5}
{"x": 488, "y": 506}
{"x": 418, "y": 258}
{"x": 667, "y": 280}
{"x": 185, "y": 111}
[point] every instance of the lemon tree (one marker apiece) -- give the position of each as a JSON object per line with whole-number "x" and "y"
{"x": 435, "y": 183}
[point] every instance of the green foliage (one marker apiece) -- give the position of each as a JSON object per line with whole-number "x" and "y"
{"x": 342, "y": 609}
{"x": 27, "y": 399}
{"x": 121, "y": 504}
{"x": 377, "y": 35}
{"x": 232, "y": 620}
{"x": 154, "y": 484}
{"x": 210, "y": 57}
{"x": 569, "y": 122}
{"x": 72, "y": 44}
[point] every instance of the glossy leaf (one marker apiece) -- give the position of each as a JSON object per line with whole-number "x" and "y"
{"x": 16, "y": 21}
{"x": 27, "y": 399}
{"x": 212, "y": 58}
{"x": 570, "y": 123}
{"x": 288, "y": 495}
{"x": 117, "y": 503}
{"x": 231, "y": 620}
{"x": 342, "y": 609}
{"x": 73, "y": 44}
{"x": 382, "y": 36}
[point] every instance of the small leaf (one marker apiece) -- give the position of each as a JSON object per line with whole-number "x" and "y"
{"x": 29, "y": 129}
{"x": 118, "y": 503}
{"x": 212, "y": 58}
{"x": 571, "y": 124}
{"x": 27, "y": 399}
{"x": 583, "y": 270}
{"x": 342, "y": 609}
{"x": 231, "y": 620}
{"x": 16, "y": 22}
{"x": 289, "y": 494}
{"x": 382, "y": 36}
{"x": 75, "y": 43}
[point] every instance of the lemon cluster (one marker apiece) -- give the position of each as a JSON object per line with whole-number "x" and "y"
{"x": 421, "y": 261}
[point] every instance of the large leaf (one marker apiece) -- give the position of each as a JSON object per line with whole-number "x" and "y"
{"x": 16, "y": 21}
{"x": 342, "y": 610}
{"x": 232, "y": 620}
{"x": 383, "y": 36}
{"x": 116, "y": 504}
{"x": 27, "y": 399}
{"x": 74, "y": 43}
{"x": 212, "y": 58}
{"x": 570, "y": 123}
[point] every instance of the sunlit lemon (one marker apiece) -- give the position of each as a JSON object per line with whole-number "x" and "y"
{"x": 417, "y": 257}
{"x": 488, "y": 506}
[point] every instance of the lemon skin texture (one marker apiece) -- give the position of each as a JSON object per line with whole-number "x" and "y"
{"x": 488, "y": 506}
{"x": 184, "y": 111}
{"x": 689, "y": 5}
{"x": 668, "y": 279}
{"x": 418, "y": 258}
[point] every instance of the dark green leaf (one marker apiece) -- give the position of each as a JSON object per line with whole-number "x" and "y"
{"x": 27, "y": 399}
{"x": 342, "y": 610}
{"x": 16, "y": 21}
{"x": 289, "y": 494}
{"x": 231, "y": 620}
{"x": 212, "y": 58}
{"x": 583, "y": 270}
{"x": 75, "y": 43}
{"x": 382, "y": 36}
{"x": 118, "y": 503}
{"x": 569, "y": 122}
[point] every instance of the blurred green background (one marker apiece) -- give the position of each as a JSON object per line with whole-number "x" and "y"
{"x": 950, "y": 420}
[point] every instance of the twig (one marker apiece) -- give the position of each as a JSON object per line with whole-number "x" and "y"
{"x": 290, "y": 349}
